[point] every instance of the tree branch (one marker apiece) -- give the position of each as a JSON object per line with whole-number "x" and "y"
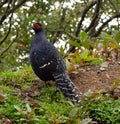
{"x": 72, "y": 48}
{"x": 8, "y": 13}
{"x": 11, "y": 11}
{"x": 62, "y": 19}
{"x": 9, "y": 29}
{"x": 8, "y": 6}
{"x": 5, "y": 50}
{"x": 83, "y": 16}
{"x": 105, "y": 23}
{"x": 95, "y": 16}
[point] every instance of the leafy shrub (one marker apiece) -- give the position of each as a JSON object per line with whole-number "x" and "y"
{"x": 105, "y": 110}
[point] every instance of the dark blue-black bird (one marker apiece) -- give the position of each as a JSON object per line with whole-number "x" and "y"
{"x": 48, "y": 64}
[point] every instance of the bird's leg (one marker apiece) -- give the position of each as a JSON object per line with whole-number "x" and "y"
{"x": 46, "y": 84}
{"x": 57, "y": 90}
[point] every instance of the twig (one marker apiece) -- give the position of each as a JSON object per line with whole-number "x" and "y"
{"x": 83, "y": 16}
{"x": 9, "y": 29}
{"x": 95, "y": 16}
{"x": 11, "y": 11}
{"x": 62, "y": 19}
{"x": 104, "y": 24}
{"x": 72, "y": 48}
{"x": 5, "y": 50}
{"x": 8, "y": 6}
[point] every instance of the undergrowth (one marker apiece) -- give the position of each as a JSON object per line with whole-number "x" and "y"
{"x": 26, "y": 99}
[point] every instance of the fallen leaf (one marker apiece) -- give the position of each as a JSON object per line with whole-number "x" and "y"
{"x": 86, "y": 121}
{"x": 8, "y": 121}
{"x": 108, "y": 76}
{"x": 26, "y": 73}
{"x": 2, "y": 97}
{"x": 104, "y": 64}
{"x": 102, "y": 69}
{"x": 70, "y": 67}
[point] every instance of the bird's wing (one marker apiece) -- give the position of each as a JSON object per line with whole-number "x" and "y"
{"x": 48, "y": 58}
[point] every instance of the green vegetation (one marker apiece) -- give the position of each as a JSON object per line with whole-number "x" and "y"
{"x": 25, "y": 99}
{"x": 86, "y": 32}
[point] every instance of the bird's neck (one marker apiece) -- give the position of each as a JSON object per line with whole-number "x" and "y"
{"x": 40, "y": 34}
{"x": 39, "y": 38}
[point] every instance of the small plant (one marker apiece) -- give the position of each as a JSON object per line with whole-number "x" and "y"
{"x": 80, "y": 58}
{"x": 103, "y": 109}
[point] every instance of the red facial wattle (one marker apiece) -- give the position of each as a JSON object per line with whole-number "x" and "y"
{"x": 37, "y": 26}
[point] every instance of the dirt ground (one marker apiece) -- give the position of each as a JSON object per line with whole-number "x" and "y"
{"x": 93, "y": 78}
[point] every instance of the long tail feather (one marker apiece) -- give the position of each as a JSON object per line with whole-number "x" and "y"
{"x": 67, "y": 87}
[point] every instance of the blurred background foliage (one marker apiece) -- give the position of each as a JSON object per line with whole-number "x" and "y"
{"x": 69, "y": 24}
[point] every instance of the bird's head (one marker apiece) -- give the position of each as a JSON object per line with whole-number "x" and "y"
{"x": 37, "y": 27}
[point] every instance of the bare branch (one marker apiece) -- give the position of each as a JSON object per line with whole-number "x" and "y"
{"x": 8, "y": 13}
{"x": 11, "y": 11}
{"x": 72, "y": 48}
{"x": 95, "y": 16}
{"x": 8, "y": 6}
{"x": 5, "y": 50}
{"x": 9, "y": 29}
{"x": 105, "y": 23}
{"x": 62, "y": 19}
{"x": 83, "y": 16}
